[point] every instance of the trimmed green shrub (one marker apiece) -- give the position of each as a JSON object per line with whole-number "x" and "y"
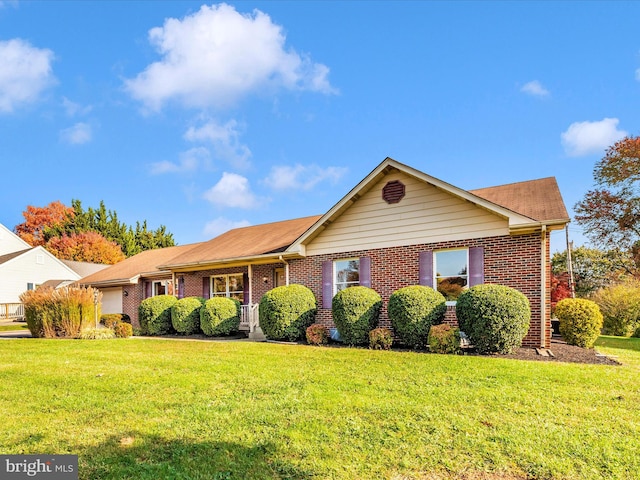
{"x": 356, "y": 311}
{"x": 495, "y": 318}
{"x": 93, "y": 333}
{"x": 63, "y": 312}
{"x": 286, "y": 312}
{"x": 620, "y": 307}
{"x": 580, "y": 321}
{"x": 123, "y": 330}
{"x": 444, "y": 338}
{"x": 317, "y": 334}
{"x": 380, "y": 339}
{"x": 412, "y": 310}
{"x": 185, "y": 315}
{"x": 154, "y": 314}
{"x": 220, "y": 316}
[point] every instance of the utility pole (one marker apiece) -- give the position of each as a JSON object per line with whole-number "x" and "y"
{"x": 570, "y": 264}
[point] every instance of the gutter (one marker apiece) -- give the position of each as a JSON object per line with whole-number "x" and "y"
{"x": 265, "y": 258}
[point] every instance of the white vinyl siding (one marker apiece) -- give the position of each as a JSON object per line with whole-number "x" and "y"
{"x": 16, "y": 273}
{"x": 425, "y": 215}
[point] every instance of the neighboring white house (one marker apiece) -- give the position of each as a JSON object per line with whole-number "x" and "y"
{"x": 10, "y": 242}
{"x": 23, "y": 267}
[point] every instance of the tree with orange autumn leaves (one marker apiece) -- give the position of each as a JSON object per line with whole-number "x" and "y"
{"x": 611, "y": 213}
{"x": 92, "y": 235}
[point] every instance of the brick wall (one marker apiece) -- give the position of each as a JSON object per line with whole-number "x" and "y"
{"x": 514, "y": 261}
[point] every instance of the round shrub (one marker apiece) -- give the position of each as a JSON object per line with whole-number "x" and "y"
{"x": 220, "y": 316}
{"x": 154, "y": 314}
{"x": 185, "y": 315}
{"x": 580, "y": 321}
{"x": 444, "y": 339}
{"x": 495, "y": 318}
{"x": 317, "y": 334}
{"x": 620, "y": 308}
{"x": 286, "y": 312}
{"x": 380, "y": 339}
{"x": 412, "y": 311}
{"x": 356, "y": 311}
{"x": 123, "y": 330}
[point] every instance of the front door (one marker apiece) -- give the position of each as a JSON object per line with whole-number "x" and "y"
{"x": 280, "y": 279}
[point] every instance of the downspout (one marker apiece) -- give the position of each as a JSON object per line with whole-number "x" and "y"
{"x": 543, "y": 289}
{"x": 286, "y": 270}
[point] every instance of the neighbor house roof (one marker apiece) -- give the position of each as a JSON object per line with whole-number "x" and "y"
{"x": 144, "y": 264}
{"x": 268, "y": 240}
{"x": 84, "y": 268}
{"x": 10, "y": 256}
{"x": 536, "y": 199}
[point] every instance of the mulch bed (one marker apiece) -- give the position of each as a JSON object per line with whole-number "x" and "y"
{"x": 563, "y": 353}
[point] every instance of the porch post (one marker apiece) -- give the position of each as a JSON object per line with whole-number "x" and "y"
{"x": 250, "y": 275}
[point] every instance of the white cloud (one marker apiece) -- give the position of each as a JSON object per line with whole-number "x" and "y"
{"x": 225, "y": 140}
{"x": 299, "y": 177}
{"x": 220, "y": 225}
{"x": 25, "y": 73}
{"x": 217, "y": 56}
{"x": 73, "y": 108}
{"x": 189, "y": 161}
{"x": 232, "y": 190}
{"x": 585, "y": 138}
{"x": 78, "y": 134}
{"x": 535, "y": 89}
{"x": 638, "y": 74}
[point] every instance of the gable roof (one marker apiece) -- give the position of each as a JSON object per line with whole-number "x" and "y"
{"x": 144, "y": 264}
{"x": 259, "y": 242}
{"x": 521, "y": 217}
{"x": 537, "y": 199}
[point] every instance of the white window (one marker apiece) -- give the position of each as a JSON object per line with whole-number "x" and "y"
{"x": 346, "y": 273}
{"x": 40, "y": 259}
{"x": 231, "y": 286}
{"x": 451, "y": 269}
{"x": 162, "y": 287}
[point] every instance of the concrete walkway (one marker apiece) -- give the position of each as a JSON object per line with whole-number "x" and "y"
{"x": 14, "y": 333}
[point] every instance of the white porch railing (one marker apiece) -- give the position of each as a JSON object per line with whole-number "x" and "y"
{"x": 249, "y": 318}
{"x": 11, "y": 311}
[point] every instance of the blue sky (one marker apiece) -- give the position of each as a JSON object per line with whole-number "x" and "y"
{"x": 204, "y": 116}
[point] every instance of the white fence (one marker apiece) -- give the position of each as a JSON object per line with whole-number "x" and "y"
{"x": 11, "y": 311}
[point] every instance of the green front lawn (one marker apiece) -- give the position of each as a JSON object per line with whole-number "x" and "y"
{"x": 10, "y": 328}
{"x": 161, "y": 409}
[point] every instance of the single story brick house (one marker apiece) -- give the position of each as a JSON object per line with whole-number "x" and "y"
{"x": 395, "y": 228}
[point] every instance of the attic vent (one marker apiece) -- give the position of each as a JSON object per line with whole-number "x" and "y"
{"x": 393, "y": 191}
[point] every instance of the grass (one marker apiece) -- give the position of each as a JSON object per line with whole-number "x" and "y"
{"x": 17, "y": 326}
{"x": 149, "y": 409}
